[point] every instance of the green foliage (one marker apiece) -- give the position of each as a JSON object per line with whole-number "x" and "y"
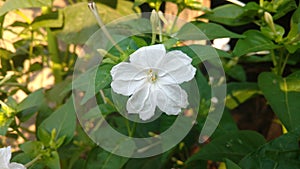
{"x": 282, "y": 95}
{"x": 262, "y": 62}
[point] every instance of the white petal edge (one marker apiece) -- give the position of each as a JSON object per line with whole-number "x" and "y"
{"x": 176, "y": 68}
{"x": 16, "y": 166}
{"x": 127, "y": 88}
{"x": 171, "y": 98}
{"x": 5, "y": 156}
{"x": 127, "y": 71}
{"x": 148, "y": 56}
{"x": 142, "y": 103}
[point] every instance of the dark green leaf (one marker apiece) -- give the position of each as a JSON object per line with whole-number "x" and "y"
{"x": 10, "y": 5}
{"x": 255, "y": 41}
{"x": 239, "y": 93}
{"x": 281, "y": 153}
{"x": 214, "y": 31}
{"x": 283, "y": 95}
{"x": 63, "y": 120}
{"x": 100, "y": 159}
{"x": 237, "y": 72}
{"x": 234, "y": 146}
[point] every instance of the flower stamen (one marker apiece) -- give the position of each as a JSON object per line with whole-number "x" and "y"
{"x": 152, "y": 76}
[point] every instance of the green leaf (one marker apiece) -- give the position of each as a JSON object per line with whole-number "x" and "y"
{"x": 233, "y": 145}
{"x": 50, "y": 20}
{"x": 201, "y": 53}
{"x": 63, "y": 120}
{"x": 98, "y": 77}
{"x": 10, "y": 5}
{"x": 255, "y": 41}
{"x": 239, "y": 93}
{"x": 189, "y": 31}
{"x": 4, "y": 124}
{"x": 293, "y": 37}
{"x": 283, "y": 7}
{"x": 226, "y": 125}
{"x": 214, "y": 31}
{"x": 100, "y": 159}
{"x": 32, "y": 148}
{"x": 53, "y": 161}
{"x": 35, "y": 99}
{"x": 227, "y": 14}
{"x": 283, "y": 96}
{"x": 281, "y": 153}
{"x": 231, "y": 165}
{"x": 237, "y": 72}
{"x": 80, "y": 24}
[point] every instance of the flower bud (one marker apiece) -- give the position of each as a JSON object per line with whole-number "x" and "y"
{"x": 154, "y": 19}
{"x": 269, "y": 20}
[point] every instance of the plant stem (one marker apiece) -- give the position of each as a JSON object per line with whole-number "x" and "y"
{"x": 274, "y": 59}
{"x": 284, "y": 63}
{"x": 279, "y": 66}
{"x": 30, "y": 163}
{"x": 175, "y": 21}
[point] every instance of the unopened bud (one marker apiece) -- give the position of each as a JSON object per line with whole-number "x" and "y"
{"x": 269, "y": 20}
{"x": 154, "y": 19}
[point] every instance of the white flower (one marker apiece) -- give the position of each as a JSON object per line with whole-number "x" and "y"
{"x": 5, "y": 155}
{"x": 221, "y": 43}
{"x": 151, "y": 79}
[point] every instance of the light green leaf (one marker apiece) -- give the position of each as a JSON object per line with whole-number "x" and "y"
{"x": 32, "y": 148}
{"x": 227, "y": 14}
{"x": 283, "y": 95}
{"x": 201, "y": 53}
{"x": 63, "y": 120}
{"x": 233, "y": 145}
{"x": 283, "y": 7}
{"x": 10, "y": 5}
{"x": 51, "y": 20}
{"x": 53, "y": 161}
{"x": 35, "y": 99}
{"x": 281, "y": 153}
{"x": 255, "y": 41}
{"x": 189, "y": 31}
{"x": 80, "y": 24}
{"x": 231, "y": 165}
{"x": 214, "y": 31}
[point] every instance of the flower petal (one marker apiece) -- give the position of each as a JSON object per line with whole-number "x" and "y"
{"x": 176, "y": 68}
{"x": 149, "y": 56}
{"x": 171, "y": 98}
{"x": 127, "y": 71}
{"x": 127, "y": 88}
{"x": 16, "y": 166}
{"x": 142, "y": 103}
{"x": 5, "y": 155}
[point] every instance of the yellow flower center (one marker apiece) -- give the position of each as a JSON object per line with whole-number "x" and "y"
{"x": 152, "y": 76}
